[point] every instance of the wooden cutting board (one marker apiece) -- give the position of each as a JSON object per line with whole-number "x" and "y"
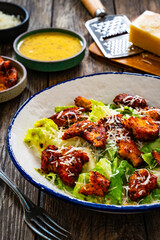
{"x": 144, "y": 62}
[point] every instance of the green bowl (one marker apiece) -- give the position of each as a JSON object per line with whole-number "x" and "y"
{"x": 50, "y": 66}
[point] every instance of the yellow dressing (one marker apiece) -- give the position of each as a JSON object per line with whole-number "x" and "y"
{"x": 49, "y": 46}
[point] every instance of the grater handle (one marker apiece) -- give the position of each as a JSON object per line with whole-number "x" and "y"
{"x": 94, "y": 7}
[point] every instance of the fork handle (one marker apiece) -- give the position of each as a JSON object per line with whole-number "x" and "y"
{"x": 22, "y": 198}
{"x": 94, "y": 7}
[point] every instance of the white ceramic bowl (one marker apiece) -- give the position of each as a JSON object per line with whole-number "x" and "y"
{"x": 102, "y": 87}
{"x": 14, "y": 91}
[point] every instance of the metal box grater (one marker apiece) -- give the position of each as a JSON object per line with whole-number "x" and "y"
{"x": 111, "y": 34}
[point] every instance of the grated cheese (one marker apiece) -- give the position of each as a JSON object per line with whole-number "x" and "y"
{"x": 8, "y": 21}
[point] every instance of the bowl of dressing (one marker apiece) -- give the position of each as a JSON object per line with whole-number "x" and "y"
{"x": 50, "y": 49}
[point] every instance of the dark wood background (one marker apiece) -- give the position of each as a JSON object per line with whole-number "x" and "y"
{"x": 84, "y": 224}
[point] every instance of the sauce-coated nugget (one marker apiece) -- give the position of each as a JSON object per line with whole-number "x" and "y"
{"x": 129, "y": 150}
{"x": 143, "y": 128}
{"x": 68, "y": 116}
{"x": 156, "y": 156}
{"x": 66, "y": 162}
{"x": 152, "y": 112}
{"x": 1, "y": 63}
{"x": 141, "y": 183}
{"x": 83, "y": 102}
{"x": 114, "y": 127}
{"x": 98, "y": 185}
{"x": 93, "y": 133}
{"x": 4, "y": 65}
{"x": 130, "y": 101}
{"x": 11, "y": 77}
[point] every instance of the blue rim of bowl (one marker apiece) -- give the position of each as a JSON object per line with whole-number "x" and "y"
{"x": 24, "y": 20}
{"x": 36, "y": 31}
{"x": 22, "y": 78}
{"x": 93, "y": 206}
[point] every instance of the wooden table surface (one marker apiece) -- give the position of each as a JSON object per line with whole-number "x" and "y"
{"x": 84, "y": 224}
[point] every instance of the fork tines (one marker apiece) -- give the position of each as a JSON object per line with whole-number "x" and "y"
{"x": 45, "y": 226}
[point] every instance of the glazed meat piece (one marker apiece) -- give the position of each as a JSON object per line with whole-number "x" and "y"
{"x": 154, "y": 113}
{"x": 83, "y": 102}
{"x": 114, "y": 127}
{"x": 130, "y": 101}
{"x": 129, "y": 150}
{"x": 66, "y": 162}
{"x": 8, "y": 75}
{"x": 141, "y": 183}
{"x": 68, "y": 116}
{"x": 1, "y": 63}
{"x": 98, "y": 185}
{"x": 4, "y": 65}
{"x": 2, "y": 87}
{"x": 11, "y": 77}
{"x": 2, "y": 78}
{"x": 156, "y": 156}
{"x": 93, "y": 133}
{"x": 143, "y": 128}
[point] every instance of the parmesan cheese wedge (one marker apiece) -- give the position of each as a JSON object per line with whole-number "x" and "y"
{"x": 145, "y": 32}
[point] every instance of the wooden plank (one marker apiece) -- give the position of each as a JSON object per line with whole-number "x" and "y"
{"x": 74, "y": 17}
{"x": 133, "y": 9}
{"x": 144, "y": 62}
{"x": 12, "y": 225}
{"x": 152, "y": 221}
{"x": 85, "y": 224}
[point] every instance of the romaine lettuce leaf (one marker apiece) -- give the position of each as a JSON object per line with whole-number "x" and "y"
{"x": 119, "y": 178}
{"x": 61, "y": 108}
{"x": 111, "y": 150}
{"x": 82, "y": 180}
{"x": 42, "y": 134}
{"x": 62, "y": 186}
{"x": 152, "y": 197}
{"x": 104, "y": 167}
{"x": 155, "y": 145}
{"x": 54, "y": 179}
{"x": 148, "y": 158}
{"x": 156, "y": 172}
{"x": 100, "y": 110}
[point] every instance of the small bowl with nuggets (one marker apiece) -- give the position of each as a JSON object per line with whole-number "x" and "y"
{"x": 96, "y": 146}
{"x": 13, "y": 77}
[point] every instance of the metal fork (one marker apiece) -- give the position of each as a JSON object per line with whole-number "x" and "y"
{"x": 36, "y": 217}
